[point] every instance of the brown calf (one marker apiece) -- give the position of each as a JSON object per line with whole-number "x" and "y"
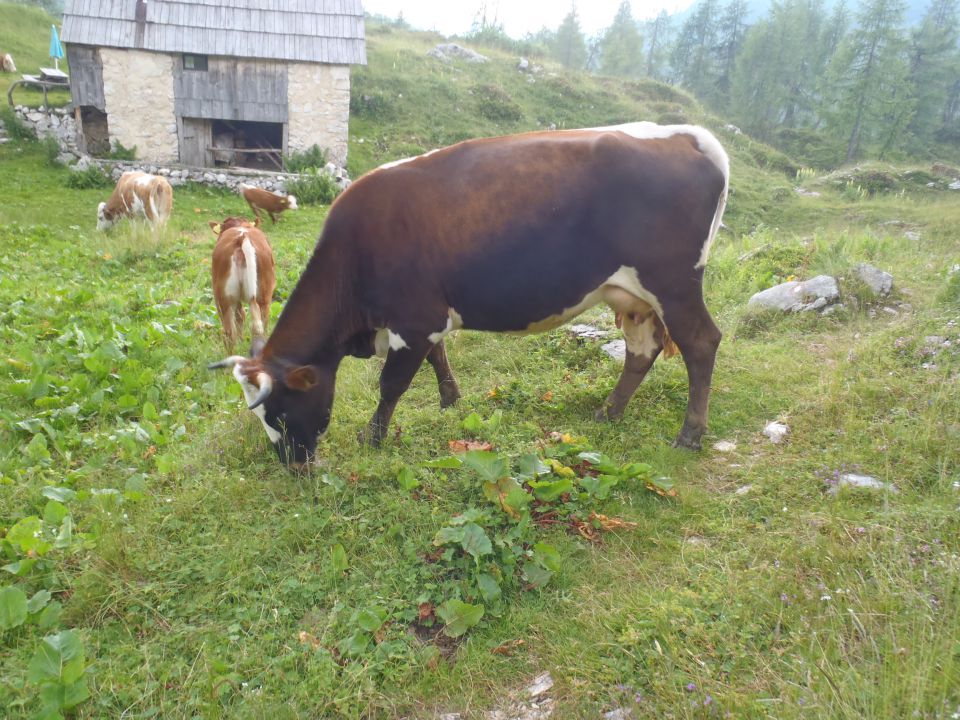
{"x": 243, "y": 274}
{"x": 137, "y": 193}
{"x": 259, "y": 199}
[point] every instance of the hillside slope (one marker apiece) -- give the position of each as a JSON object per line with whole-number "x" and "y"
{"x": 25, "y": 34}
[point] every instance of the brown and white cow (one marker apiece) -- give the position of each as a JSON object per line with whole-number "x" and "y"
{"x": 511, "y": 234}
{"x": 137, "y": 194}
{"x": 243, "y": 274}
{"x": 259, "y": 199}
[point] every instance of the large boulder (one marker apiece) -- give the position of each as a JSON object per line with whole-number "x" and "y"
{"x": 445, "y": 52}
{"x": 794, "y": 296}
{"x": 879, "y": 282}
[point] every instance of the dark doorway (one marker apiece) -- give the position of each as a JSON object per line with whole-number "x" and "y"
{"x": 239, "y": 143}
{"x": 94, "y": 130}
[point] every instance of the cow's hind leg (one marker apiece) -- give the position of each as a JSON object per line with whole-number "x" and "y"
{"x": 640, "y": 357}
{"x": 697, "y": 337}
{"x": 228, "y": 321}
{"x": 449, "y": 389}
{"x": 395, "y": 378}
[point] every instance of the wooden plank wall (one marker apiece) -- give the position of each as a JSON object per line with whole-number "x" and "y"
{"x": 232, "y": 89}
{"x": 86, "y": 76}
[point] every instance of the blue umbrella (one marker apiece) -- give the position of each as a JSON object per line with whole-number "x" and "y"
{"x": 56, "y": 49}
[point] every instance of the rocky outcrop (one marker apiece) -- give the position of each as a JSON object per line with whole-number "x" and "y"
{"x": 814, "y": 294}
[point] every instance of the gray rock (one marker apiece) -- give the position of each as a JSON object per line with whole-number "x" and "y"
{"x": 955, "y": 185}
{"x": 853, "y": 480}
{"x": 776, "y": 431}
{"x": 587, "y": 332}
{"x": 879, "y": 282}
{"x": 797, "y": 296}
{"x": 616, "y": 349}
{"x": 523, "y": 65}
{"x": 445, "y": 52}
{"x": 618, "y": 714}
{"x": 541, "y": 683}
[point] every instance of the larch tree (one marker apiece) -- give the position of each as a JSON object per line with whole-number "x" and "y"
{"x": 621, "y": 47}
{"x": 570, "y": 47}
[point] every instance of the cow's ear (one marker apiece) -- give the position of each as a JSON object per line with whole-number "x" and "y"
{"x": 301, "y": 378}
{"x": 215, "y": 226}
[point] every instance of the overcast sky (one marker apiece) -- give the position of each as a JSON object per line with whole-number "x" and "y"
{"x": 518, "y": 17}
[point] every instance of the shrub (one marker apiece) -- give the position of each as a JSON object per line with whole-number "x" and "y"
{"x": 91, "y": 177}
{"x": 496, "y": 104}
{"x": 119, "y": 152}
{"x": 312, "y": 158}
{"x": 17, "y": 130}
{"x": 51, "y": 150}
{"x": 314, "y": 187}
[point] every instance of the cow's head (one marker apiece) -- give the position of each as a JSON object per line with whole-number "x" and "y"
{"x": 292, "y": 402}
{"x": 291, "y": 202}
{"x": 104, "y": 218}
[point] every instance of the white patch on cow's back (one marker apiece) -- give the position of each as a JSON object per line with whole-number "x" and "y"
{"x": 708, "y": 145}
{"x": 454, "y": 322}
{"x": 403, "y": 161}
{"x": 250, "y": 272}
{"x": 144, "y": 181}
{"x": 250, "y": 392}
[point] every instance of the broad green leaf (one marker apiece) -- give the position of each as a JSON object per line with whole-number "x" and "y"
{"x": 13, "y": 607}
{"x": 59, "y": 696}
{"x": 37, "y": 449}
{"x": 508, "y": 494}
{"x": 333, "y": 481}
{"x": 65, "y": 536}
{"x": 489, "y": 588}
{"x": 473, "y": 423}
{"x": 531, "y": 466}
{"x": 407, "y": 480}
{"x": 338, "y": 558}
{"x": 59, "y": 659}
{"x": 371, "y": 618}
{"x": 150, "y": 412}
{"x": 536, "y": 575}
{"x": 355, "y": 645}
{"x": 475, "y": 541}
{"x": 21, "y": 567}
{"x": 547, "y": 556}
{"x": 472, "y": 515}
{"x": 599, "y": 461}
{"x": 38, "y": 601}
{"x": 26, "y": 534}
{"x": 600, "y": 486}
{"x": 136, "y": 487}
{"x": 489, "y": 466}
{"x": 60, "y": 494}
{"x": 637, "y": 471}
{"x": 459, "y": 616}
{"x": 550, "y": 490}
{"x": 449, "y": 534}
{"x": 49, "y": 616}
{"x": 127, "y": 402}
{"x": 53, "y": 513}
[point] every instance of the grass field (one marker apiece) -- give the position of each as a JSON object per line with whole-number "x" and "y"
{"x": 204, "y": 580}
{"x": 158, "y": 562}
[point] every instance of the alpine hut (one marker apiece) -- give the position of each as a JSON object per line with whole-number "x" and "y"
{"x": 213, "y": 82}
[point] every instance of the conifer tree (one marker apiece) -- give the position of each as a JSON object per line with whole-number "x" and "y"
{"x": 932, "y": 69}
{"x": 693, "y": 56}
{"x": 621, "y": 48}
{"x": 570, "y": 47}
{"x": 658, "y": 32}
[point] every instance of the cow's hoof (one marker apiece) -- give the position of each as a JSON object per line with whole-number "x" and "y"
{"x": 369, "y": 436}
{"x": 607, "y": 414}
{"x": 449, "y": 397}
{"x": 688, "y": 441}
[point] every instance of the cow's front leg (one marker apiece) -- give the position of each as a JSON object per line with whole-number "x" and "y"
{"x": 644, "y": 340}
{"x": 449, "y": 389}
{"x": 395, "y": 378}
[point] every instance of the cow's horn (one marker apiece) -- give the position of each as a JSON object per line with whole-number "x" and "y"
{"x": 226, "y": 362}
{"x": 266, "y": 385}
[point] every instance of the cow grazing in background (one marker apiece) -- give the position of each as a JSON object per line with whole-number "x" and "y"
{"x": 137, "y": 194}
{"x": 259, "y": 199}
{"x": 7, "y": 64}
{"x": 512, "y": 234}
{"x": 242, "y": 270}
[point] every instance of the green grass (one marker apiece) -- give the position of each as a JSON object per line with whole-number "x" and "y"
{"x": 25, "y": 34}
{"x": 191, "y": 595}
{"x": 206, "y": 581}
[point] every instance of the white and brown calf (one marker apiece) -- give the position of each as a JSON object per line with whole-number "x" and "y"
{"x": 243, "y": 276}
{"x": 137, "y": 194}
{"x": 264, "y": 200}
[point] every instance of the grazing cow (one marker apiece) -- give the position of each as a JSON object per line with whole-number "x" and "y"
{"x": 137, "y": 193}
{"x": 242, "y": 270}
{"x": 259, "y": 199}
{"x": 7, "y": 64}
{"x": 512, "y": 234}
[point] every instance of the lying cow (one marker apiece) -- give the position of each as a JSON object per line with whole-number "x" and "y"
{"x": 259, "y": 199}
{"x": 243, "y": 274}
{"x": 513, "y": 234}
{"x": 137, "y": 194}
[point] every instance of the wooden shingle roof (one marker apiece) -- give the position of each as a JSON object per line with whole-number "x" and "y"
{"x": 325, "y": 31}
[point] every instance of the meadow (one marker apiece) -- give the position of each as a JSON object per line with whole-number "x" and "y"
{"x": 159, "y": 562}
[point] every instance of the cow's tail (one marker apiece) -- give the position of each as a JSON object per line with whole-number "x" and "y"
{"x": 161, "y": 201}
{"x": 245, "y": 260}
{"x": 711, "y": 147}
